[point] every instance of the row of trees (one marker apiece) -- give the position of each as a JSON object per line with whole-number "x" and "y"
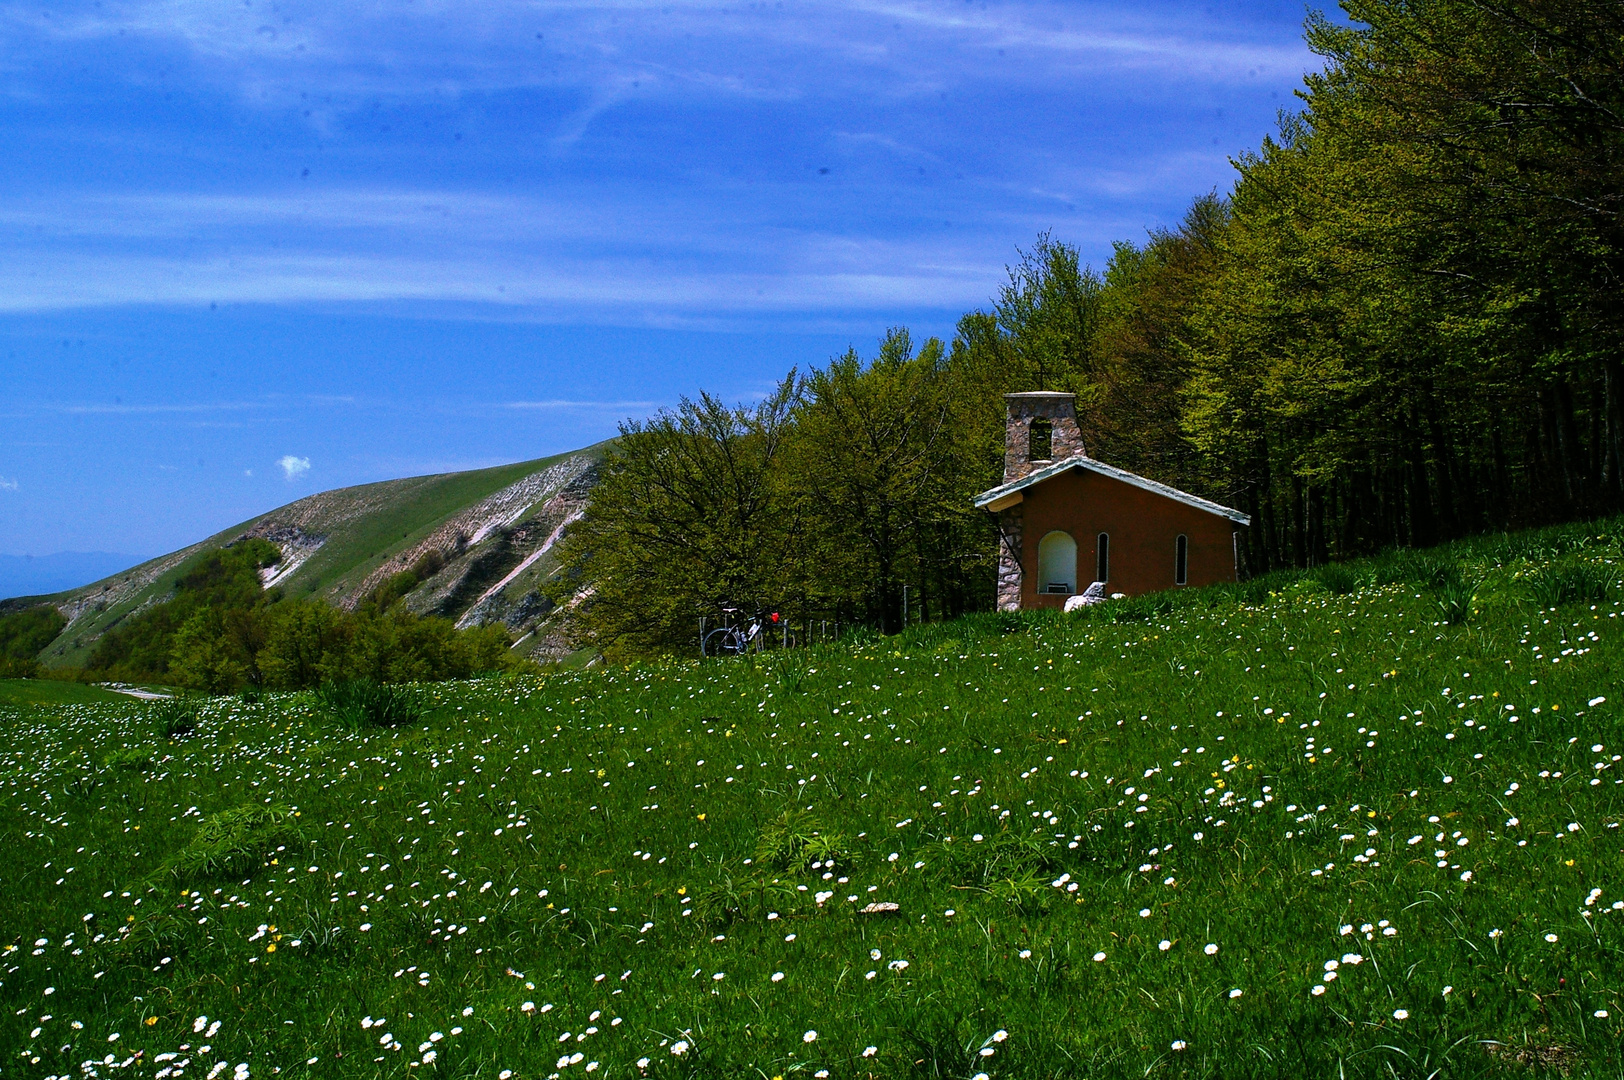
{"x": 1402, "y": 325}
{"x": 222, "y": 631}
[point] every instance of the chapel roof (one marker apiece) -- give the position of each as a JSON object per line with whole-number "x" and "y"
{"x": 1082, "y": 461}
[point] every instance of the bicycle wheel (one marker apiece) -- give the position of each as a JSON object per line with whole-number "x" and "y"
{"x": 723, "y": 641}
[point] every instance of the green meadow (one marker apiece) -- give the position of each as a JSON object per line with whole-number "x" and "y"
{"x": 1363, "y": 821}
{"x": 17, "y": 692}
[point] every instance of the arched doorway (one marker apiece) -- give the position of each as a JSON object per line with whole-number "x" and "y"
{"x": 1057, "y": 563}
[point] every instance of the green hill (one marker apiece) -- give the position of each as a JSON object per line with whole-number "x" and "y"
{"x": 477, "y": 544}
{"x": 1364, "y": 822}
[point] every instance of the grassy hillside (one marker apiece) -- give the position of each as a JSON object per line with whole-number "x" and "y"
{"x": 339, "y": 545}
{"x": 1364, "y": 823}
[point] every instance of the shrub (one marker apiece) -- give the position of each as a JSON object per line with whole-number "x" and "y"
{"x": 129, "y": 759}
{"x": 792, "y": 669}
{"x": 1339, "y": 578}
{"x": 151, "y": 939}
{"x": 24, "y": 633}
{"x": 1455, "y": 600}
{"x": 358, "y": 703}
{"x": 1007, "y": 857}
{"x": 1573, "y": 581}
{"x": 795, "y": 838}
{"x": 728, "y": 898}
{"x": 18, "y": 669}
{"x": 237, "y": 842}
{"x": 177, "y": 717}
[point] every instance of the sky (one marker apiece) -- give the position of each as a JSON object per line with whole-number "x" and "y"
{"x": 253, "y": 250}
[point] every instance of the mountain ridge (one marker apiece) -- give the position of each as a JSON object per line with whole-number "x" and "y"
{"x": 478, "y": 544}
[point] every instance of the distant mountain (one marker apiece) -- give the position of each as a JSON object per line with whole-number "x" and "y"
{"x": 481, "y": 541}
{"x": 38, "y": 575}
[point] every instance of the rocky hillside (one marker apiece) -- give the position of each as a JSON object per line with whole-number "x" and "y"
{"x": 479, "y": 544}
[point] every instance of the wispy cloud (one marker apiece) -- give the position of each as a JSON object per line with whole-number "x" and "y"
{"x": 663, "y": 48}
{"x": 120, "y": 409}
{"x": 580, "y": 406}
{"x": 829, "y": 273}
{"x": 678, "y": 162}
{"x": 8, "y": 485}
{"x": 293, "y": 467}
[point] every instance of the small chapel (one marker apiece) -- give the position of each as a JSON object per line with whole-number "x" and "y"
{"x": 1066, "y": 521}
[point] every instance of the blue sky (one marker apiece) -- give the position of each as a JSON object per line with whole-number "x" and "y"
{"x": 373, "y": 239}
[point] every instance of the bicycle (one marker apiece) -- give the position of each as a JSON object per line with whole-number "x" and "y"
{"x": 738, "y": 640}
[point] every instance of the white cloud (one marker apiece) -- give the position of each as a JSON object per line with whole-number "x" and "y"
{"x": 8, "y": 485}
{"x": 294, "y": 467}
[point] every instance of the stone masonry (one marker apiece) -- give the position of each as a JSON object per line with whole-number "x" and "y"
{"x": 1009, "y": 558}
{"x": 1065, "y": 441}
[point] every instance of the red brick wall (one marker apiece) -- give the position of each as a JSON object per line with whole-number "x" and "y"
{"x": 1143, "y": 527}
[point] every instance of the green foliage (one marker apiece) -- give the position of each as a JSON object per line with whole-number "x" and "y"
{"x": 394, "y": 588}
{"x": 1339, "y": 579}
{"x": 359, "y": 703}
{"x": 176, "y": 717}
{"x": 822, "y": 502}
{"x": 796, "y": 838}
{"x": 19, "y": 669}
{"x": 878, "y": 476}
{"x": 155, "y": 939}
{"x": 731, "y": 896}
{"x": 237, "y": 842}
{"x": 221, "y": 632}
{"x": 130, "y": 759}
{"x": 685, "y": 519}
{"x": 1456, "y": 598}
{"x": 23, "y": 634}
{"x": 210, "y": 595}
{"x": 1011, "y": 858}
{"x": 1574, "y": 580}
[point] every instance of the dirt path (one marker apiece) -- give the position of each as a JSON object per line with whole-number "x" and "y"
{"x": 134, "y": 691}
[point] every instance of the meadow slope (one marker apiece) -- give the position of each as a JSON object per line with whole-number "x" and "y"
{"x": 1360, "y": 823}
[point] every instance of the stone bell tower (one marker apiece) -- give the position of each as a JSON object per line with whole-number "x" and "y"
{"x": 1040, "y": 428}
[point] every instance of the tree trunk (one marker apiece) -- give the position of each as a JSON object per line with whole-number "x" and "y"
{"x": 1298, "y": 524}
{"x": 1423, "y": 532}
{"x": 1613, "y": 459}
{"x": 1499, "y": 500}
{"x": 1556, "y": 436}
{"x": 1443, "y": 456}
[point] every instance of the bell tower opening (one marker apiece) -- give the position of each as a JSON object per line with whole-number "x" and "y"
{"x": 1040, "y": 440}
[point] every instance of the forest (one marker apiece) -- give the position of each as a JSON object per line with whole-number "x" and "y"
{"x": 1401, "y": 325}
